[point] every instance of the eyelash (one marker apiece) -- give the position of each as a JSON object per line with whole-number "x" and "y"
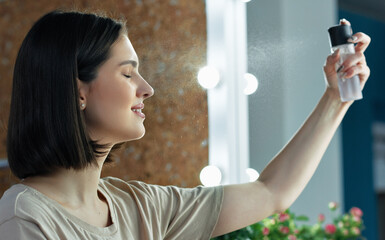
{"x": 127, "y": 76}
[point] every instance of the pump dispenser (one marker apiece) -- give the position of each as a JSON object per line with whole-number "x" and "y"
{"x": 350, "y": 89}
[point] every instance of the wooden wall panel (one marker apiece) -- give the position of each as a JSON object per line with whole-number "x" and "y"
{"x": 170, "y": 40}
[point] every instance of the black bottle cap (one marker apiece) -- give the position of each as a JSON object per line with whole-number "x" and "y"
{"x": 339, "y": 34}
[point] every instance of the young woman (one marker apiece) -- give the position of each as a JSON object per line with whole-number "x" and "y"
{"x": 77, "y": 93}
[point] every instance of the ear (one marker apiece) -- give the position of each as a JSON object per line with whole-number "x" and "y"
{"x": 83, "y": 89}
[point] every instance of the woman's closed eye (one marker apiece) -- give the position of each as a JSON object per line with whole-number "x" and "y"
{"x": 127, "y": 76}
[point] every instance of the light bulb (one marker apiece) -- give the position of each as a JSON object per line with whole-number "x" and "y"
{"x": 251, "y": 83}
{"x": 253, "y": 174}
{"x": 208, "y": 77}
{"x": 210, "y": 176}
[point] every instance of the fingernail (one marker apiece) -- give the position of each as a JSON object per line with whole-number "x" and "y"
{"x": 352, "y": 39}
{"x": 343, "y": 20}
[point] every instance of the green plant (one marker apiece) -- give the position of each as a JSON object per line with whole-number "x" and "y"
{"x": 284, "y": 226}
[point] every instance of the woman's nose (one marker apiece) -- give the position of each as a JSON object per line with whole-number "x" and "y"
{"x": 144, "y": 89}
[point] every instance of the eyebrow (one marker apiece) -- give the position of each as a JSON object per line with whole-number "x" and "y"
{"x": 132, "y": 62}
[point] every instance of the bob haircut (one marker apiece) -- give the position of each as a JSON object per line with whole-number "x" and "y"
{"x": 46, "y": 128}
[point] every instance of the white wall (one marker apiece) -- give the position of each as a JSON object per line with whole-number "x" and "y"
{"x": 288, "y": 45}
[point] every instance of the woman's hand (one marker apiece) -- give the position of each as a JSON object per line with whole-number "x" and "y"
{"x": 353, "y": 65}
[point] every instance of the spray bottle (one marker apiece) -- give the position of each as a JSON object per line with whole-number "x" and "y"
{"x": 350, "y": 89}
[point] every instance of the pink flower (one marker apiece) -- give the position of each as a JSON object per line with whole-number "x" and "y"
{"x": 330, "y": 229}
{"x": 355, "y": 211}
{"x": 296, "y": 231}
{"x": 356, "y": 231}
{"x": 345, "y": 232}
{"x": 265, "y": 231}
{"x": 333, "y": 206}
{"x": 321, "y": 218}
{"x": 283, "y": 217}
{"x": 292, "y": 237}
{"x": 284, "y": 230}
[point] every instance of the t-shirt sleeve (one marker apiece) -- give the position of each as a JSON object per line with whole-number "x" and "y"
{"x": 166, "y": 212}
{"x": 16, "y": 229}
{"x": 187, "y": 213}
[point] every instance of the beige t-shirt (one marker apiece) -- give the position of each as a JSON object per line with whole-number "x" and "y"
{"x": 138, "y": 211}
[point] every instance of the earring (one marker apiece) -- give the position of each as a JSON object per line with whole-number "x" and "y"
{"x": 82, "y": 106}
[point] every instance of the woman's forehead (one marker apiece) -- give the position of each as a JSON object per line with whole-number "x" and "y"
{"x": 122, "y": 50}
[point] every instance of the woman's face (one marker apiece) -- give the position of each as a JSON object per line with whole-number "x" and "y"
{"x": 115, "y": 98}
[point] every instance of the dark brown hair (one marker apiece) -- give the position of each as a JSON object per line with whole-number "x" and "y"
{"x": 46, "y": 129}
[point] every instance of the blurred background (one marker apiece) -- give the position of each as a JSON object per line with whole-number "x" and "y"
{"x": 283, "y": 44}
{"x": 287, "y": 47}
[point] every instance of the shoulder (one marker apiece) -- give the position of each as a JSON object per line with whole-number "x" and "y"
{"x": 116, "y": 185}
{"x": 19, "y": 202}
{"x": 9, "y": 202}
{"x": 134, "y": 187}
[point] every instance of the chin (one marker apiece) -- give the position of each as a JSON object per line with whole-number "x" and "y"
{"x": 136, "y": 136}
{"x": 141, "y": 136}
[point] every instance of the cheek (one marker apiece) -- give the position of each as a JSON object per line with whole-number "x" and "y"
{"x": 118, "y": 95}
{"x": 110, "y": 104}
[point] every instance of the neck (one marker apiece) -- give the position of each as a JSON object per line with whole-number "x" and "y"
{"x": 71, "y": 188}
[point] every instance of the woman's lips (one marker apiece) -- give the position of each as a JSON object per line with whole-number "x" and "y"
{"x": 137, "y": 109}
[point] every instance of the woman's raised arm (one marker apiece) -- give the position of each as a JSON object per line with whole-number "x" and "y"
{"x": 284, "y": 178}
